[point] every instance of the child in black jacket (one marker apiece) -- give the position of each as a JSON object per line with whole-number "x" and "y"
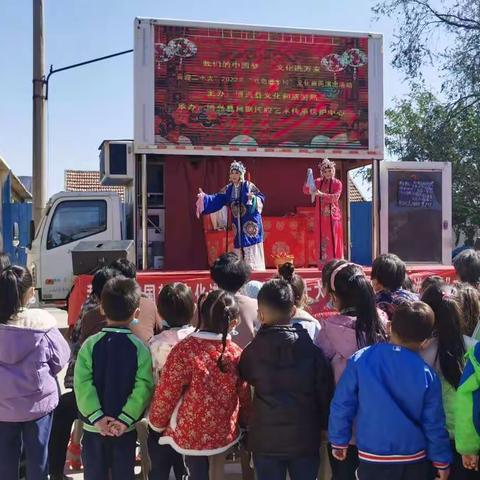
{"x": 293, "y": 386}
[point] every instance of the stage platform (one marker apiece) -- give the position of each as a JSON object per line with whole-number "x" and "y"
{"x": 200, "y": 282}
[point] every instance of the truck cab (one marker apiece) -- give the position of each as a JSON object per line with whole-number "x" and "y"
{"x": 70, "y": 217}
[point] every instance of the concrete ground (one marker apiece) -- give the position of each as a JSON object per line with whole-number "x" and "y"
{"x": 232, "y": 472}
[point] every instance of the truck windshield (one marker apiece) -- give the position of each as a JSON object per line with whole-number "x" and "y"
{"x": 76, "y": 219}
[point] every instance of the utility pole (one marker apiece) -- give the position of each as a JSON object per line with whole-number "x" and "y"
{"x": 40, "y": 95}
{"x": 39, "y": 160}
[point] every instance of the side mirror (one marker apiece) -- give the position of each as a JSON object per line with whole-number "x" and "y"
{"x": 31, "y": 234}
{"x": 15, "y": 235}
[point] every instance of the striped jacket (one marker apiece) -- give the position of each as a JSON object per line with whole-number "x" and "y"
{"x": 113, "y": 377}
{"x": 395, "y": 400}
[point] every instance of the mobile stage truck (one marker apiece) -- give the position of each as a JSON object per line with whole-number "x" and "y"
{"x": 278, "y": 99}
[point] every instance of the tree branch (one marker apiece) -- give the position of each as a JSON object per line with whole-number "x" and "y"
{"x": 454, "y": 112}
{"x": 449, "y": 18}
{"x": 456, "y": 103}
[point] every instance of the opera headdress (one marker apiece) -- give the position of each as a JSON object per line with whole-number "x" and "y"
{"x": 239, "y": 167}
{"x": 326, "y": 163}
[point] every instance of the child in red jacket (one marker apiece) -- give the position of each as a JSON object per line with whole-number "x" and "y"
{"x": 200, "y": 398}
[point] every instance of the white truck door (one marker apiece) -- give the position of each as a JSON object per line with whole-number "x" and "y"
{"x": 416, "y": 211}
{"x": 69, "y": 222}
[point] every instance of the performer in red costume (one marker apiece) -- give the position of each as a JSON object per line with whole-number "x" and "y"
{"x": 328, "y": 216}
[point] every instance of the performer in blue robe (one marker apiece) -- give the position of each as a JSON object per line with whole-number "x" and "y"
{"x": 246, "y": 204}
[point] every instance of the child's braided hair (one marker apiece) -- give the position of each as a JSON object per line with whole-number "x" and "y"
{"x": 216, "y": 311}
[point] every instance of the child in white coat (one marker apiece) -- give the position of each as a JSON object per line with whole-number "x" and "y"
{"x": 176, "y": 308}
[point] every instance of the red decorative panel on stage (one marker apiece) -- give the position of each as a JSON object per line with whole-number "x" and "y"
{"x": 216, "y": 243}
{"x": 284, "y": 235}
{"x": 310, "y": 242}
{"x": 207, "y": 223}
{"x": 309, "y": 214}
{"x": 228, "y": 88}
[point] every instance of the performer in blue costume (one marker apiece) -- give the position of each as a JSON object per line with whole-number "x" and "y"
{"x": 246, "y": 204}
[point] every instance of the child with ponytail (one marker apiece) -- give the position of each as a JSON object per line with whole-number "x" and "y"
{"x": 445, "y": 353}
{"x": 32, "y": 353}
{"x": 301, "y": 317}
{"x": 200, "y": 399}
{"x": 357, "y": 325}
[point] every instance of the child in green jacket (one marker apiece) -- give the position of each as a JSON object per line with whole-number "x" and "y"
{"x": 467, "y": 411}
{"x": 113, "y": 384}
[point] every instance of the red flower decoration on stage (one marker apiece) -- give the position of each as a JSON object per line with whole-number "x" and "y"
{"x": 282, "y": 258}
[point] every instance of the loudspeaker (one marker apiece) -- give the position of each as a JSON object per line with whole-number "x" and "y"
{"x": 89, "y": 256}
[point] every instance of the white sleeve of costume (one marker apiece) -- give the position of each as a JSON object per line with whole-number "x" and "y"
{"x": 259, "y": 205}
{"x": 200, "y": 204}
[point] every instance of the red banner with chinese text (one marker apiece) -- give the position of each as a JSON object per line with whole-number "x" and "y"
{"x": 200, "y": 282}
{"x": 220, "y": 87}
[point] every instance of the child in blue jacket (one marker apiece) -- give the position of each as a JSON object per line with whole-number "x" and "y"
{"x": 395, "y": 400}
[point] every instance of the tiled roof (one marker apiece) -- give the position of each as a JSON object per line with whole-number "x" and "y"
{"x": 353, "y": 192}
{"x": 88, "y": 181}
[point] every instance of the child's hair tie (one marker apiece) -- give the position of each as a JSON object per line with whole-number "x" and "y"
{"x": 335, "y": 273}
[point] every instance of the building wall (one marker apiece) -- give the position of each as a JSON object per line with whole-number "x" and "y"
{"x": 13, "y": 209}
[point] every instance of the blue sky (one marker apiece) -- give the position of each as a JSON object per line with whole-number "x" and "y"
{"x": 92, "y": 103}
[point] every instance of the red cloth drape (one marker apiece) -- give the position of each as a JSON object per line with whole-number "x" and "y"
{"x": 184, "y": 240}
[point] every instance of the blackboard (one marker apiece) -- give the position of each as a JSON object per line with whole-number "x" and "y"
{"x": 415, "y": 215}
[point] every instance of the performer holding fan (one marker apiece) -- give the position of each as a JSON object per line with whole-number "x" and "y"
{"x": 246, "y": 203}
{"x": 328, "y": 217}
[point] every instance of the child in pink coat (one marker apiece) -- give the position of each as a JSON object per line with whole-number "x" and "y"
{"x": 357, "y": 325}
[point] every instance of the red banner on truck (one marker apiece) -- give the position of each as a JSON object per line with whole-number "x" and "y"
{"x": 200, "y": 282}
{"x": 252, "y": 90}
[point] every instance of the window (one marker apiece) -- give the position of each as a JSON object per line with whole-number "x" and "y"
{"x": 76, "y": 219}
